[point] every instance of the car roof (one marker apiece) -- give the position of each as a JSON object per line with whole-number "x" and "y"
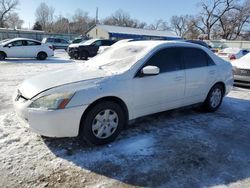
{"x": 200, "y": 42}
{"x": 53, "y": 38}
{"x": 156, "y": 43}
{"x": 15, "y": 39}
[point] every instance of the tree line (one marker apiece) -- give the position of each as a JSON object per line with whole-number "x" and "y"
{"x": 216, "y": 19}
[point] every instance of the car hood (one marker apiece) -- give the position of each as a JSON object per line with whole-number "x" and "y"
{"x": 76, "y": 45}
{"x": 241, "y": 64}
{"x": 73, "y": 74}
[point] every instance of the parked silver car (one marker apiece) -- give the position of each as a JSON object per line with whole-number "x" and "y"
{"x": 57, "y": 43}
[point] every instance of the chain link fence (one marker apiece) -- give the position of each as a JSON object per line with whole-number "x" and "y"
{"x": 32, "y": 34}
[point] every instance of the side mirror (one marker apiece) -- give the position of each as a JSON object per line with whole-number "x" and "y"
{"x": 10, "y": 45}
{"x": 150, "y": 70}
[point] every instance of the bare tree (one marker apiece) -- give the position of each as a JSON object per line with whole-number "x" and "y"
{"x": 14, "y": 21}
{"x": 45, "y": 15}
{"x": 211, "y": 12}
{"x": 122, "y": 18}
{"x": 180, "y": 24}
{"x": 184, "y": 26}
{"x": 160, "y": 25}
{"x": 37, "y": 26}
{"x": 81, "y": 22}
{"x": 234, "y": 21}
{"x": 246, "y": 35}
{"x": 61, "y": 25}
{"x": 6, "y": 7}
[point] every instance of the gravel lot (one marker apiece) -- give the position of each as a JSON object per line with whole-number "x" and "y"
{"x": 179, "y": 148}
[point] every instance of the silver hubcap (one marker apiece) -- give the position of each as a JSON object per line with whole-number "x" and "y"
{"x": 105, "y": 123}
{"x": 215, "y": 98}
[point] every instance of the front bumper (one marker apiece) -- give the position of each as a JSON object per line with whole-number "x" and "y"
{"x": 241, "y": 76}
{"x": 51, "y": 123}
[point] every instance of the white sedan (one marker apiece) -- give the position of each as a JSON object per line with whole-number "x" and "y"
{"x": 25, "y": 48}
{"x": 241, "y": 68}
{"x": 95, "y": 100}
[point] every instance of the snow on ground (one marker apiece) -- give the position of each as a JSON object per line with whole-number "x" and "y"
{"x": 178, "y": 148}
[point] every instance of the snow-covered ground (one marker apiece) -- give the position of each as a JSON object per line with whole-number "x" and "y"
{"x": 179, "y": 148}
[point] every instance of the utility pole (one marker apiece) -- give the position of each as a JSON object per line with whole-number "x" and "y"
{"x": 96, "y": 17}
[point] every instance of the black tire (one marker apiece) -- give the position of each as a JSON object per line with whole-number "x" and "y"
{"x": 208, "y": 104}
{"x": 42, "y": 56}
{"x": 2, "y": 56}
{"x": 84, "y": 55}
{"x": 88, "y": 134}
{"x": 76, "y": 55}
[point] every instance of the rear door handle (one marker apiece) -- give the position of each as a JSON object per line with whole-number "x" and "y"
{"x": 212, "y": 72}
{"x": 179, "y": 78}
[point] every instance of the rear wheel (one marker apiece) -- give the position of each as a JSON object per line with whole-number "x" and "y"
{"x": 214, "y": 98}
{"x": 2, "y": 56}
{"x": 103, "y": 123}
{"x": 41, "y": 56}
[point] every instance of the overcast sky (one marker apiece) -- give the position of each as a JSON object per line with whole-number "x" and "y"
{"x": 143, "y": 10}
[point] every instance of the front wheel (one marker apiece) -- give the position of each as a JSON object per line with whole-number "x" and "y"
{"x": 2, "y": 56}
{"x": 103, "y": 123}
{"x": 84, "y": 55}
{"x": 76, "y": 55}
{"x": 214, "y": 98}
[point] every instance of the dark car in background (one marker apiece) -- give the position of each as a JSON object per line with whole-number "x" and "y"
{"x": 57, "y": 43}
{"x": 200, "y": 42}
{"x": 87, "y": 49}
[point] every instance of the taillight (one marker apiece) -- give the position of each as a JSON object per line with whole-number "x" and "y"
{"x": 232, "y": 57}
{"x": 215, "y": 50}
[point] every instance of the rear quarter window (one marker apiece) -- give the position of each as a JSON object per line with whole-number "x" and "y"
{"x": 33, "y": 43}
{"x": 210, "y": 61}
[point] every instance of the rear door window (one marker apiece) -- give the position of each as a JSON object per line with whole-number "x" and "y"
{"x": 57, "y": 40}
{"x": 194, "y": 58}
{"x": 50, "y": 40}
{"x": 64, "y": 41}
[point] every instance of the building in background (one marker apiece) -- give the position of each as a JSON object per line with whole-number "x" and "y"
{"x": 117, "y": 32}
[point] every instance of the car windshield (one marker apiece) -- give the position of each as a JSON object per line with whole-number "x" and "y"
{"x": 121, "y": 58}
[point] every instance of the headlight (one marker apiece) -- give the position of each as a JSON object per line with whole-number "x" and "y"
{"x": 52, "y": 102}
